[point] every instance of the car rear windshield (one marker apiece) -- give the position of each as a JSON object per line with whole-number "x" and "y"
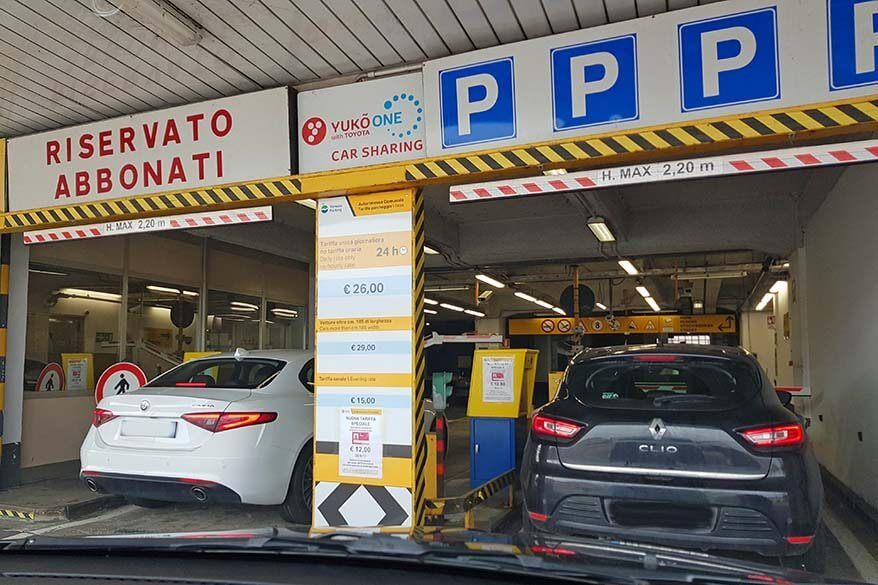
{"x": 219, "y": 373}
{"x": 664, "y": 383}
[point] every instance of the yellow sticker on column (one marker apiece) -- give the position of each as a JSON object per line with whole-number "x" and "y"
{"x": 392, "y": 202}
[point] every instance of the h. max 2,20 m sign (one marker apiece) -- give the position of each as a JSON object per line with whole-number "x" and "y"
{"x": 724, "y": 58}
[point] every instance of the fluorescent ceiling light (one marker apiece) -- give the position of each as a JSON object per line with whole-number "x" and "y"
{"x": 284, "y": 312}
{"x": 559, "y": 310}
{"x": 628, "y": 267}
{"x": 190, "y": 293}
{"x": 307, "y": 203}
{"x": 244, "y": 309}
{"x": 766, "y": 298}
{"x": 475, "y": 313}
{"x": 431, "y": 312}
{"x": 601, "y": 306}
{"x": 430, "y": 301}
{"x": 96, "y": 295}
{"x": 785, "y": 265}
{"x": 554, "y": 172}
{"x": 49, "y": 272}
{"x": 644, "y": 292}
{"x": 429, "y": 250}
{"x": 778, "y": 286}
{"x": 544, "y": 304}
{"x": 652, "y": 304}
{"x": 449, "y": 288}
{"x": 488, "y": 280}
{"x": 176, "y": 24}
{"x": 600, "y": 229}
{"x": 242, "y": 304}
{"x": 698, "y": 305}
{"x": 451, "y": 307}
{"x": 525, "y": 296}
{"x": 162, "y": 289}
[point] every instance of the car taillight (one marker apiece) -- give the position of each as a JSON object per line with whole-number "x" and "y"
{"x": 216, "y": 422}
{"x": 549, "y": 427}
{"x": 776, "y": 435}
{"x": 100, "y": 416}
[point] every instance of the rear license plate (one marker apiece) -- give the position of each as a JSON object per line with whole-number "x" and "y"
{"x": 147, "y": 427}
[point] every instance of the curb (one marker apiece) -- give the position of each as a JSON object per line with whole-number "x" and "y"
{"x": 72, "y": 511}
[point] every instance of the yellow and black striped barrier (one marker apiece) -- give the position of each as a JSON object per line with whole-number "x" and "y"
{"x": 439, "y": 508}
{"x": 17, "y": 514}
{"x": 747, "y": 130}
{"x": 419, "y": 462}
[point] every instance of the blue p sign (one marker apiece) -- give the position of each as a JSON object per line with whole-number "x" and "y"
{"x": 729, "y": 60}
{"x": 853, "y": 37}
{"x": 594, "y": 83}
{"x": 477, "y": 102}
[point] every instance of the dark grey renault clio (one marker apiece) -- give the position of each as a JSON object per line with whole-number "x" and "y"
{"x": 680, "y": 445}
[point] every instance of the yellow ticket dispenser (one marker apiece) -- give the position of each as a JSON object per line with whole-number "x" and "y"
{"x": 500, "y": 404}
{"x": 502, "y": 383}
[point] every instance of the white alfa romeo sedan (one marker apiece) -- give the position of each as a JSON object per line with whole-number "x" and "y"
{"x": 222, "y": 429}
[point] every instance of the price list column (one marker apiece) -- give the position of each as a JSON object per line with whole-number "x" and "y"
{"x": 369, "y": 447}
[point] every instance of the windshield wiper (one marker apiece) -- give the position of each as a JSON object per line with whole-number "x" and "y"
{"x": 682, "y": 398}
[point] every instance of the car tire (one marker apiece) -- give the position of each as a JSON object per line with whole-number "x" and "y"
{"x": 812, "y": 560}
{"x": 147, "y": 503}
{"x": 296, "y": 507}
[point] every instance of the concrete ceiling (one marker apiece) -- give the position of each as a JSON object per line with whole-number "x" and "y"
{"x": 62, "y": 64}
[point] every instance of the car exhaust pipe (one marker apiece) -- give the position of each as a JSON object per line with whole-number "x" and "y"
{"x": 199, "y": 494}
{"x": 90, "y": 484}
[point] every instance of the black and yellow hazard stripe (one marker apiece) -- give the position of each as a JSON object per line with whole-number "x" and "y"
{"x": 236, "y": 195}
{"x": 743, "y": 127}
{"x": 5, "y": 251}
{"x": 419, "y": 436}
{"x": 17, "y": 514}
{"x": 471, "y": 499}
{"x": 780, "y": 126}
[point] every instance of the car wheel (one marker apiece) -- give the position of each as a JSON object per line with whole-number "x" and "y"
{"x": 812, "y": 560}
{"x": 297, "y": 505}
{"x": 146, "y": 503}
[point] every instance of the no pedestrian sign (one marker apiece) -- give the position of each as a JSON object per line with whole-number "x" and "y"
{"x": 51, "y": 379}
{"x": 119, "y": 378}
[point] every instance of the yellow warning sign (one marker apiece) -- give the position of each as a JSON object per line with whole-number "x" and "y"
{"x": 625, "y": 325}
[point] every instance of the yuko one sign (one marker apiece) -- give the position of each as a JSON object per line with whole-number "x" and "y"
{"x": 704, "y": 62}
{"x": 239, "y": 138}
{"x": 361, "y": 124}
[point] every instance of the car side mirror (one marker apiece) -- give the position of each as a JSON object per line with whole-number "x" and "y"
{"x": 785, "y": 397}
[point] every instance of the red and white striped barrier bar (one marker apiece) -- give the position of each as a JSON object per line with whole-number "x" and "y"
{"x": 713, "y": 166}
{"x": 150, "y": 224}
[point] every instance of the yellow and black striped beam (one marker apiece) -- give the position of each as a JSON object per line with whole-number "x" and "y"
{"x": 471, "y": 499}
{"x": 17, "y": 514}
{"x": 5, "y": 249}
{"x": 729, "y": 130}
{"x": 419, "y": 462}
{"x": 728, "y": 133}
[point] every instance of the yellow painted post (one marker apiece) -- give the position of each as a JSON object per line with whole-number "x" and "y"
{"x": 370, "y": 446}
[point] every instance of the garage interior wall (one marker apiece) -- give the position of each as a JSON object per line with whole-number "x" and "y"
{"x": 53, "y": 424}
{"x": 841, "y": 286}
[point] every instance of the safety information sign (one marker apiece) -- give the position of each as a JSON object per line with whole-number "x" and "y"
{"x": 360, "y": 446}
{"x": 624, "y": 325}
{"x": 498, "y": 374}
{"x": 51, "y": 379}
{"x": 77, "y": 375}
{"x": 119, "y": 378}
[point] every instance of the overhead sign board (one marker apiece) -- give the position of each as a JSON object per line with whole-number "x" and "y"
{"x": 638, "y": 324}
{"x": 365, "y": 123}
{"x": 707, "y": 61}
{"x": 227, "y": 140}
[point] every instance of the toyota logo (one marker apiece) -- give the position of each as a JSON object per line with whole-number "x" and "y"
{"x": 144, "y": 404}
{"x": 657, "y": 428}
